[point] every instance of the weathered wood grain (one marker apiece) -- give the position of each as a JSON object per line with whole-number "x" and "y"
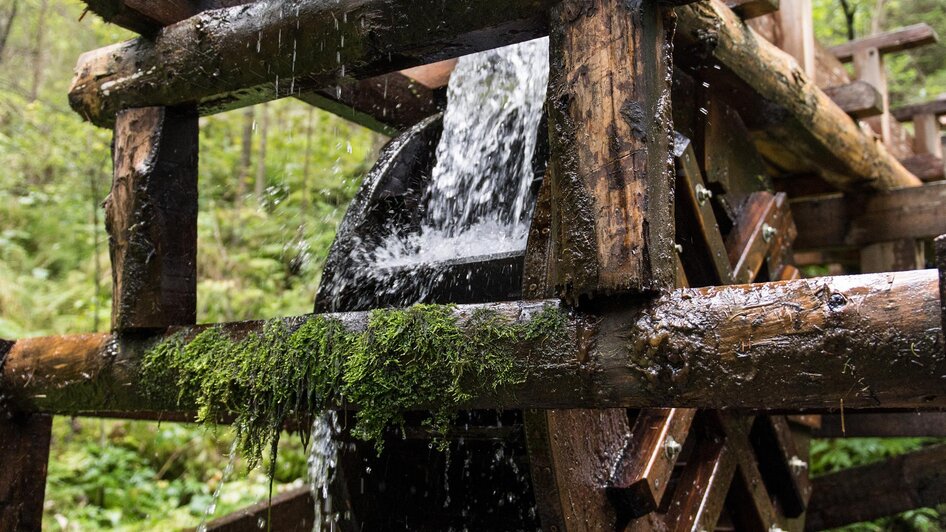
{"x": 233, "y": 57}
{"x": 883, "y": 425}
{"x": 905, "y": 482}
{"x": 872, "y": 340}
{"x": 611, "y": 173}
{"x": 151, "y": 218}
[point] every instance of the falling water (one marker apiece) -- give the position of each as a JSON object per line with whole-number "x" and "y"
{"x": 323, "y": 456}
{"x": 478, "y": 199}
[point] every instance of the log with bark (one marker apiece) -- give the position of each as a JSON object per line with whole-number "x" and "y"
{"x": 869, "y": 340}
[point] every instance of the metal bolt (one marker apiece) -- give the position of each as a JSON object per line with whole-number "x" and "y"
{"x": 775, "y": 528}
{"x": 671, "y": 447}
{"x": 797, "y": 465}
{"x": 678, "y": 247}
{"x": 703, "y": 194}
{"x": 768, "y": 232}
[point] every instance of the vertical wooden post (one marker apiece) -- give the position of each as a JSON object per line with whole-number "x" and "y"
{"x": 151, "y": 217}
{"x": 926, "y": 138}
{"x": 603, "y": 222}
{"x": 24, "y": 448}
{"x": 611, "y": 170}
{"x": 869, "y": 67}
{"x": 940, "y": 245}
{"x": 798, "y": 33}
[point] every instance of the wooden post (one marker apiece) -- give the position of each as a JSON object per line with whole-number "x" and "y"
{"x": 151, "y": 217}
{"x": 869, "y": 67}
{"x": 926, "y": 135}
{"x": 940, "y": 245}
{"x": 798, "y": 33}
{"x": 24, "y": 446}
{"x": 611, "y": 170}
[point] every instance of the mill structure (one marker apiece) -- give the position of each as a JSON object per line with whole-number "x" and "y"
{"x": 699, "y": 156}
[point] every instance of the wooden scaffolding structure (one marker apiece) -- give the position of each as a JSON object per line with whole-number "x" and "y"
{"x": 694, "y": 146}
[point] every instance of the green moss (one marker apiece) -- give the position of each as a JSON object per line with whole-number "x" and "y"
{"x": 422, "y": 357}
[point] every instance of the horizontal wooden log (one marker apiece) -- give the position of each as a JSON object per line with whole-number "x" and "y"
{"x": 907, "y": 112}
{"x": 837, "y": 221}
{"x": 858, "y": 99}
{"x": 797, "y": 127}
{"x": 228, "y": 58}
{"x": 871, "y": 340}
{"x": 883, "y": 425}
{"x": 888, "y": 42}
{"x": 906, "y": 482}
{"x": 939, "y": 246}
{"x": 926, "y": 166}
{"x": 292, "y": 511}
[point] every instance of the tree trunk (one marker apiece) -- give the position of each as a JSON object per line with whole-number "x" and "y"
{"x": 39, "y": 54}
{"x": 7, "y": 25}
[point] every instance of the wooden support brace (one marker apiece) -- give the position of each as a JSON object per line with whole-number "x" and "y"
{"x": 859, "y": 99}
{"x": 784, "y": 470}
{"x": 837, "y": 221}
{"x": 883, "y": 425}
{"x": 609, "y": 110}
{"x": 764, "y": 217}
{"x": 151, "y": 218}
{"x": 892, "y": 41}
{"x": 905, "y": 482}
{"x": 643, "y": 472}
{"x": 24, "y": 446}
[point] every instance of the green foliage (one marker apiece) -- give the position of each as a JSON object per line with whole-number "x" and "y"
{"x": 406, "y": 359}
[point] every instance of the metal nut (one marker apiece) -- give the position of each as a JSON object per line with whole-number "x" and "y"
{"x": 672, "y": 448}
{"x": 768, "y": 232}
{"x": 703, "y": 193}
{"x": 797, "y": 465}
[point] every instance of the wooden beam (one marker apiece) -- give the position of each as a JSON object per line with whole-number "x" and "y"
{"x": 907, "y": 112}
{"x": 747, "y": 9}
{"x": 869, "y": 67}
{"x": 892, "y": 41}
{"x": 151, "y": 218}
{"x": 765, "y": 222}
{"x": 24, "y": 446}
{"x": 647, "y": 460}
{"x": 837, "y": 221}
{"x": 883, "y": 425}
{"x": 611, "y": 173}
{"x": 292, "y": 511}
{"x": 893, "y": 256}
{"x": 212, "y": 58}
{"x": 796, "y": 126}
{"x": 927, "y": 167}
{"x": 858, "y": 99}
{"x": 779, "y": 459}
{"x": 785, "y": 345}
{"x": 905, "y": 482}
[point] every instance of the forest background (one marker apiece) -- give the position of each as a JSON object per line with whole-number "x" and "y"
{"x": 275, "y": 181}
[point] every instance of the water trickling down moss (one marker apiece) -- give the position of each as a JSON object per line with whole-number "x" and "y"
{"x": 422, "y": 357}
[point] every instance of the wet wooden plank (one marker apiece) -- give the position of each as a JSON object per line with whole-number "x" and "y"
{"x": 292, "y": 511}
{"x": 696, "y": 196}
{"x": 837, "y": 221}
{"x": 612, "y": 182}
{"x": 703, "y": 486}
{"x": 151, "y": 218}
{"x": 24, "y": 446}
{"x": 647, "y": 461}
{"x": 748, "y": 499}
{"x": 891, "y": 41}
{"x": 909, "y": 481}
{"x": 883, "y": 425}
{"x": 858, "y": 99}
{"x": 752, "y": 237}
{"x": 940, "y": 249}
{"x": 783, "y": 468}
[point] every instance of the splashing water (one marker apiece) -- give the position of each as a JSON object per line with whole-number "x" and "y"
{"x": 227, "y": 472}
{"x": 478, "y": 198}
{"x": 323, "y": 457}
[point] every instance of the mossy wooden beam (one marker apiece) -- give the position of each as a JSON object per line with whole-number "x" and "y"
{"x": 232, "y": 57}
{"x": 797, "y": 127}
{"x": 869, "y": 340}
